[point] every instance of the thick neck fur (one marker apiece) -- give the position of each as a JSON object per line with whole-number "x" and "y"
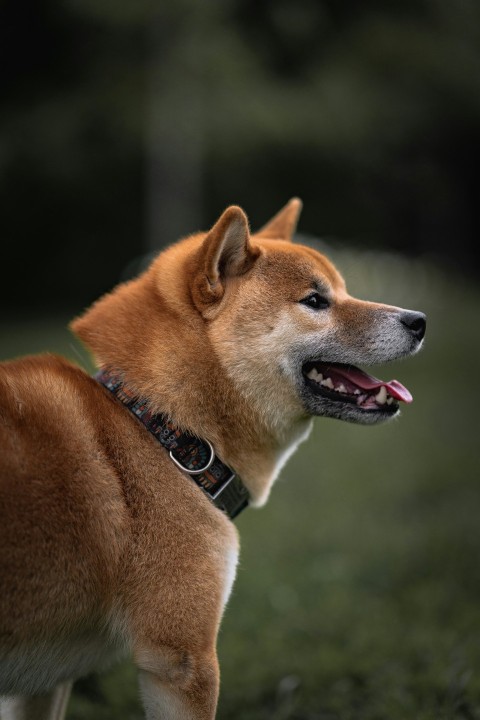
{"x": 150, "y": 330}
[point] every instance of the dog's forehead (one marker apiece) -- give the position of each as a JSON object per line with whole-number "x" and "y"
{"x": 300, "y": 264}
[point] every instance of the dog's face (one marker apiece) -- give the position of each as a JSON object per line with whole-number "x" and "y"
{"x": 256, "y": 322}
{"x": 290, "y": 336}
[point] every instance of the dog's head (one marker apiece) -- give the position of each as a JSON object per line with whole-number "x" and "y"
{"x": 287, "y": 331}
{"x": 256, "y": 320}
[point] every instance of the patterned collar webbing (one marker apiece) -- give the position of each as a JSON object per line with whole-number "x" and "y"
{"x": 194, "y": 456}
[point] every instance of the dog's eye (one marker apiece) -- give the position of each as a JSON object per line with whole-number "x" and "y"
{"x": 316, "y": 301}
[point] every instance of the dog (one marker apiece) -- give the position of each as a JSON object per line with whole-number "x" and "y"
{"x": 117, "y": 492}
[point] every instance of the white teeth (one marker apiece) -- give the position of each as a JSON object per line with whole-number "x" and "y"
{"x": 381, "y": 398}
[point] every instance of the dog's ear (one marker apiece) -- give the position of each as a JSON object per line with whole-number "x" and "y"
{"x": 283, "y": 224}
{"x": 225, "y": 253}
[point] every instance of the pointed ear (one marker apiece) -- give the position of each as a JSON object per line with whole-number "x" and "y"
{"x": 226, "y": 252}
{"x": 283, "y": 224}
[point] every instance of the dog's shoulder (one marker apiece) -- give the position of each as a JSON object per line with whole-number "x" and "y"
{"x": 49, "y": 407}
{"x": 39, "y": 382}
{"x": 37, "y": 368}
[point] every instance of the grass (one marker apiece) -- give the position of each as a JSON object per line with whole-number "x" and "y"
{"x": 358, "y": 592}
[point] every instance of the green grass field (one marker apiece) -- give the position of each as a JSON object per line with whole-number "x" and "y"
{"x": 358, "y": 593}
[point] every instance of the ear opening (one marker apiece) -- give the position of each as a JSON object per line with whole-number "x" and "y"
{"x": 226, "y": 252}
{"x": 284, "y": 223}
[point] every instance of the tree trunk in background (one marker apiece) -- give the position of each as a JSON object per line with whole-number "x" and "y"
{"x": 175, "y": 134}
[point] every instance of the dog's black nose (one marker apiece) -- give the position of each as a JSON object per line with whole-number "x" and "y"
{"x": 415, "y": 322}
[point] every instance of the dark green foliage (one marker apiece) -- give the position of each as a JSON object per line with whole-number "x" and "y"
{"x": 125, "y": 125}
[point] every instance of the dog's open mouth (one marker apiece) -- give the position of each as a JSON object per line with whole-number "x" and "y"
{"x": 347, "y": 383}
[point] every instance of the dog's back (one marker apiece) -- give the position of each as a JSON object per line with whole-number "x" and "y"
{"x": 62, "y": 516}
{"x": 92, "y": 531}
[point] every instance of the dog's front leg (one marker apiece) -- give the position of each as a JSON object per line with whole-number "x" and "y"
{"x": 178, "y": 685}
{"x": 174, "y": 600}
{"x": 51, "y": 706}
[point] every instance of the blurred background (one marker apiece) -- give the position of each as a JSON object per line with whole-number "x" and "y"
{"x": 126, "y": 125}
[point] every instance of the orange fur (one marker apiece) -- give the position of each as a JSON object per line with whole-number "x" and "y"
{"x": 106, "y": 548}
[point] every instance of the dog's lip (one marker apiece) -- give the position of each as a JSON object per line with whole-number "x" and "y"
{"x": 351, "y": 400}
{"x": 357, "y": 379}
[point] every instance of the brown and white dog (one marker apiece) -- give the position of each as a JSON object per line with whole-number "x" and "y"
{"x": 107, "y": 547}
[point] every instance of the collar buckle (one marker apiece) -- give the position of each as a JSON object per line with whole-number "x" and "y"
{"x": 220, "y": 490}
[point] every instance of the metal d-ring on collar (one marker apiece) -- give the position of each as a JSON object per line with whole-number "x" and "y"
{"x": 197, "y": 471}
{"x": 200, "y": 471}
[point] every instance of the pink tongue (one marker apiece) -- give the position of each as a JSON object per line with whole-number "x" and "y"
{"x": 368, "y": 382}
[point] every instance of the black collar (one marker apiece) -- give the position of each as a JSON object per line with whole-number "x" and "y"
{"x": 194, "y": 456}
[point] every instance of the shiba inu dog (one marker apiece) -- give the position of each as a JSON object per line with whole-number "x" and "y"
{"x": 117, "y": 492}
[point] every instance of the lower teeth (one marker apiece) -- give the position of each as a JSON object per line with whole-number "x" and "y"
{"x": 381, "y": 398}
